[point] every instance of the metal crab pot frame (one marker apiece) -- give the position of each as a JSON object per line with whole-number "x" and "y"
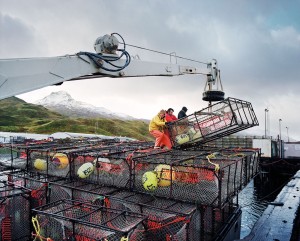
{"x": 218, "y": 120}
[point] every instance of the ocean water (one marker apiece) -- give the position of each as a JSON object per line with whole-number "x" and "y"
{"x": 255, "y": 197}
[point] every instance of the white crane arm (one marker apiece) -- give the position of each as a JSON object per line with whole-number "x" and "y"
{"x": 18, "y": 76}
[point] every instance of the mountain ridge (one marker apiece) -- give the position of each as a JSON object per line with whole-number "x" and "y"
{"x": 16, "y": 115}
{"x": 62, "y": 103}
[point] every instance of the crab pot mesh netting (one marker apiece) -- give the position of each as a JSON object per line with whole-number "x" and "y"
{"x": 14, "y": 212}
{"x": 218, "y": 120}
{"x": 94, "y": 222}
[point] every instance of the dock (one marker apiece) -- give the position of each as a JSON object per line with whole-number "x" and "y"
{"x": 280, "y": 221}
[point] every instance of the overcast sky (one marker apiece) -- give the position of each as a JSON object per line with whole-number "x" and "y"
{"x": 256, "y": 43}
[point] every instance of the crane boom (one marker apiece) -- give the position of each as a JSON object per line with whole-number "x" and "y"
{"x": 23, "y": 75}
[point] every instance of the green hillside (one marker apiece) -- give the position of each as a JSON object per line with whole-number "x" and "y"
{"x": 18, "y": 116}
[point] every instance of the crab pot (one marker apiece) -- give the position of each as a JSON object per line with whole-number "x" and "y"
{"x": 166, "y": 219}
{"x": 218, "y": 120}
{"x": 110, "y": 166}
{"x": 171, "y": 218}
{"x": 173, "y": 176}
{"x": 103, "y": 170}
{"x": 14, "y": 212}
{"x": 75, "y": 219}
{"x": 16, "y": 155}
{"x": 23, "y": 156}
{"x": 174, "y": 220}
{"x": 250, "y": 166}
{"x": 194, "y": 178}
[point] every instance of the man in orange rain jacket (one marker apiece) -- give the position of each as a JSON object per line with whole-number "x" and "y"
{"x": 170, "y": 116}
{"x": 156, "y": 129}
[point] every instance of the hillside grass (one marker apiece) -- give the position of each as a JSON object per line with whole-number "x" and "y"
{"x": 18, "y": 116}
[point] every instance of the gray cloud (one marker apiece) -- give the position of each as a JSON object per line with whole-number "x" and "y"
{"x": 257, "y": 45}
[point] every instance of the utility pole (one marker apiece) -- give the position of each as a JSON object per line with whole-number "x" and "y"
{"x": 287, "y": 132}
{"x": 280, "y": 138}
{"x": 266, "y": 111}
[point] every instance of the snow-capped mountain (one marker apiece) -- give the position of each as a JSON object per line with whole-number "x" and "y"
{"x": 62, "y": 102}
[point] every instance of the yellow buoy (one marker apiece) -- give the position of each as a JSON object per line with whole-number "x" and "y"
{"x": 85, "y": 170}
{"x": 60, "y": 160}
{"x": 40, "y": 164}
{"x": 164, "y": 175}
{"x": 149, "y": 180}
{"x": 181, "y": 139}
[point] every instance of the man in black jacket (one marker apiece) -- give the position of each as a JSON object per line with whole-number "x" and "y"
{"x": 182, "y": 113}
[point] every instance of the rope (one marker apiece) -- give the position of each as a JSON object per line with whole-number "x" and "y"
{"x": 37, "y": 229}
{"x": 213, "y": 155}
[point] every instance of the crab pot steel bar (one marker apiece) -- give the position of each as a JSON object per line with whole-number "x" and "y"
{"x": 218, "y": 120}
